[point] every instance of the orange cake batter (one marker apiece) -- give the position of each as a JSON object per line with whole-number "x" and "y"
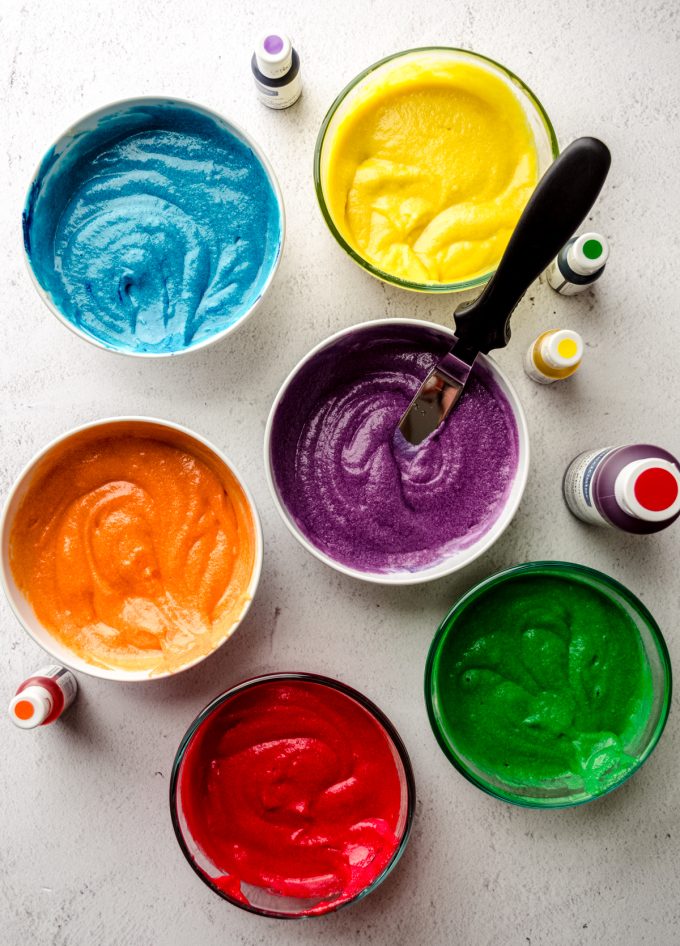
{"x": 134, "y": 552}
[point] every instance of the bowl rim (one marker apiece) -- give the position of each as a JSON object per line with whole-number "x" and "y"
{"x": 545, "y": 566}
{"x": 370, "y": 707}
{"x": 428, "y": 288}
{"x": 462, "y": 558}
{"x": 23, "y": 477}
{"x": 245, "y": 137}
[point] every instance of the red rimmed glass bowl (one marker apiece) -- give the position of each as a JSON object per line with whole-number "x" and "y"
{"x": 292, "y": 795}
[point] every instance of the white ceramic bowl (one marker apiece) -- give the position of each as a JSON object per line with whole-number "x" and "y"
{"x": 88, "y": 123}
{"x": 161, "y": 430}
{"x": 458, "y": 559}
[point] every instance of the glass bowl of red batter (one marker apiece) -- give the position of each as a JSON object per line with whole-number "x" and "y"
{"x": 292, "y": 795}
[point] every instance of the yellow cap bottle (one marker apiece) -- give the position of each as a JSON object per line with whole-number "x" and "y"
{"x": 554, "y": 356}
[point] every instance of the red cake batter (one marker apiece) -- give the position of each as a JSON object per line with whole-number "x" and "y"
{"x": 293, "y": 787}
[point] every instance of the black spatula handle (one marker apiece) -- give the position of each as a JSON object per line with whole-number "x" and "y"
{"x": 557, "y": 207}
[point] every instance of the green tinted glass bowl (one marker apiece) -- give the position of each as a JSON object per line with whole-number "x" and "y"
{"x": 553, "y": 794}
{"x": 544, "y": 135}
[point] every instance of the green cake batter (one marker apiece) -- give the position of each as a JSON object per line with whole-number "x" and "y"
{"x": 543, "y": 681}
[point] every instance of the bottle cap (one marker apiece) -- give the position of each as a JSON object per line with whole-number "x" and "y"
{"x": 562, "y": 349}
{"x": 274, "y": 55}
{"x": 588, "y": 253}
{"x": 649, "y": 489}
{"x": 31, "y": 707}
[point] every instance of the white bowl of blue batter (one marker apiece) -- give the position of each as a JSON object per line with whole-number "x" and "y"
{"x": 153, "y": 227}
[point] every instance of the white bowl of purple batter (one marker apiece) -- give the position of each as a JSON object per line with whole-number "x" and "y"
{"x": 364, "y": 501}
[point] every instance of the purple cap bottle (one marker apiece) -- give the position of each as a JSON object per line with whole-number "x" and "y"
{"x": 276, "y": 70}
{"x": 634, "y": 488}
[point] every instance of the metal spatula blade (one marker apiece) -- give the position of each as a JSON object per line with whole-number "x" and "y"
{"x": 557, "y": 207}
{"x": 436, "y": 397}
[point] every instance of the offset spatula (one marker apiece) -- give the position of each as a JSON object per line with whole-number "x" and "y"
{"x": 557, "y": 207}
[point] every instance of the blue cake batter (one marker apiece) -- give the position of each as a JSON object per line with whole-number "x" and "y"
{"x": 154, "y": 229}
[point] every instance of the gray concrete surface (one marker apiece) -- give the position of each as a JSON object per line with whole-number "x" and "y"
{"x": 87, "y": 853}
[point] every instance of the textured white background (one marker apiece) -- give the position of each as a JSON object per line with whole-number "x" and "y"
{"x": 87, "y": 853}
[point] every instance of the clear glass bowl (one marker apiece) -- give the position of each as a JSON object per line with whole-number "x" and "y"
{"x": 260, "y": 900}
{"x": 554, "y": 794}
{"x": 544, "y": 135}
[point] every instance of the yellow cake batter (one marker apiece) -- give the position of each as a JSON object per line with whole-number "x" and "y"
{"x": 429, "y": 170}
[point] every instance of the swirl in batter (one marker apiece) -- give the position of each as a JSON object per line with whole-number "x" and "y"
{"x": 292, "y": 787}
{"x": 543, "y": 681}
{"x": 429, "y": 168}
{"x": 365, "y": 497}
{"x": 133, "y": 552}
{"x": 153, "y": 231}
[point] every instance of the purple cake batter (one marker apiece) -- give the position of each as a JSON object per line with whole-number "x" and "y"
{"x": 364, "y": 496}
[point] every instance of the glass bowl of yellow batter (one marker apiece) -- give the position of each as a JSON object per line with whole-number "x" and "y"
{"x": 424, "y": 163}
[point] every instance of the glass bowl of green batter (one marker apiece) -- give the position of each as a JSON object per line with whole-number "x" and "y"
{"x": 548, "y": 685}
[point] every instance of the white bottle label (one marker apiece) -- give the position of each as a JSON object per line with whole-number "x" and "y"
{"x": 562, "y": 285}
{"x": 531, "y": 369}
{"x": 64, "y": 678}
{"x": 577, "y": 486}
{"x": 281, "y": 97}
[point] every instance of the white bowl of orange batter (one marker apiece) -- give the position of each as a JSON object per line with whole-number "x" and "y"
{"x": 131, "y": 548}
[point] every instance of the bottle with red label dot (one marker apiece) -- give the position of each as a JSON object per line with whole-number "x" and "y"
{"x": 43, "y": 697}
{"x": 635, "y": 488}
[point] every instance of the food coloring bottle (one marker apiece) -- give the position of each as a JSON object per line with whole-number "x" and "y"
{"x": 635, "y": 488}
{"x": 554, "y": 356}
{"x": 276, "y": 70}
{"x": 579, "y": 263}
{"x": 43, "y": 697}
